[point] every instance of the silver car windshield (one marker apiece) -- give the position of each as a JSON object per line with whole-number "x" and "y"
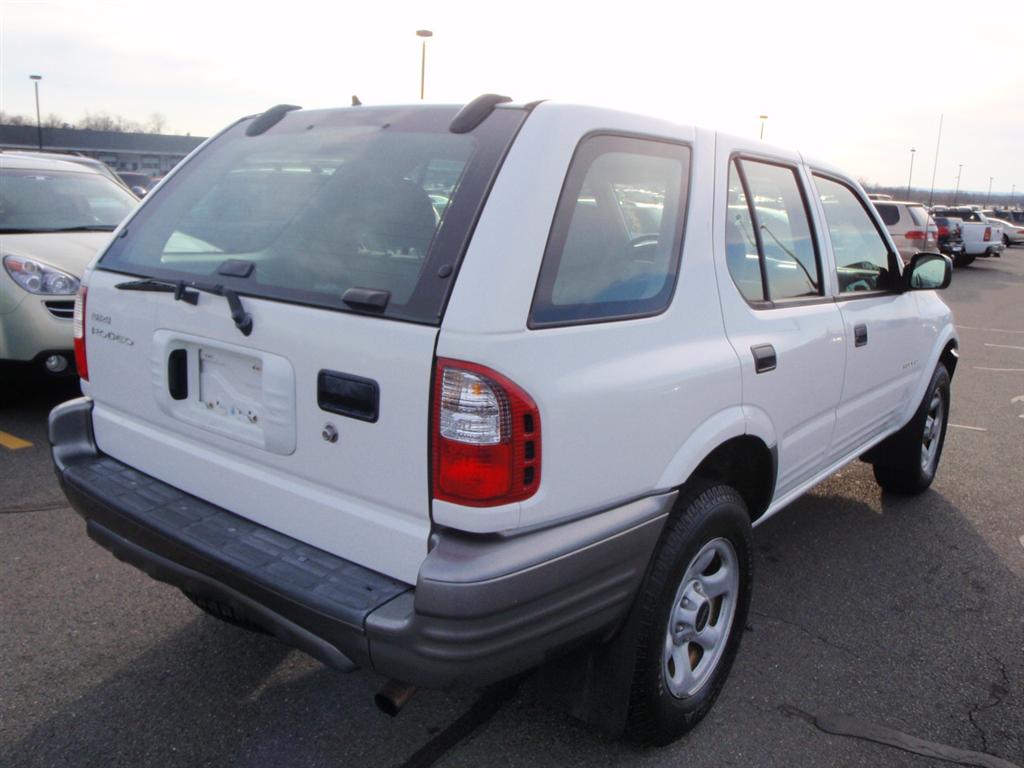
{"x": 59, "y": 201}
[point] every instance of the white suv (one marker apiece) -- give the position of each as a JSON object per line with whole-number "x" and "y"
{"x": 447, "y": 393}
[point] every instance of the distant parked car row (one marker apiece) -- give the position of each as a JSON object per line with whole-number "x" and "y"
{"x": 963, "y": 233}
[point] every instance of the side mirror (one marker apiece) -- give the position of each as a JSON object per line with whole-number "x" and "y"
{"x": 928, "y": 272}
{"x": 139, "y": 191}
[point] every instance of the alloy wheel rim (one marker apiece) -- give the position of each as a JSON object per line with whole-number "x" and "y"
{"x": 700, "y": 618}
{"x": 933, "y": 423}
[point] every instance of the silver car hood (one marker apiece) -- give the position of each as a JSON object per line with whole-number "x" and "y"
{"x": 68, "y": 251}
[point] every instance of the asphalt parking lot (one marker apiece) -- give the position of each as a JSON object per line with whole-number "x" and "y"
{"x": 902, "y": 614}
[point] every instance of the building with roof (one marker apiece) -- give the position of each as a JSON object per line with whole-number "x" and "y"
{"x": 150, "y": 153}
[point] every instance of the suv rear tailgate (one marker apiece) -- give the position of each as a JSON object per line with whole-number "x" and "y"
{"x": 364, "y": 497}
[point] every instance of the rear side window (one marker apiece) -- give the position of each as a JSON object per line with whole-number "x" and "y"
{"x": 323, "y": 202}
{"x": 770, "y": 250}
{"x": 918, "y": 214}
{"x": 890, "y": 214}
{"x": 613, "y": 250}
{"x": 863, "y": 259}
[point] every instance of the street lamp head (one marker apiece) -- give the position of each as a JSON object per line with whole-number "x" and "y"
{"x": 424, "y": 33}
{"x": 35, "y": 77}
{"x": 764, "y": 117}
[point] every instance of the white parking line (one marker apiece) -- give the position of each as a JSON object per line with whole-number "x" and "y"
{"x": 989, "y": 330}
{"x": 1001, "y": 370}
{"x": 1004, "y": 346}
{"x": 973, "y": 429}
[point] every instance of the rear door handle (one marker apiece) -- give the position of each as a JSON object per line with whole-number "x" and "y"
{"x": 860, "y": 335}
{"x": 765, "y": 358}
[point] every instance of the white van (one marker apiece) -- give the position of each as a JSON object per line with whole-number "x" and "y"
{"x": 448, "y": 393}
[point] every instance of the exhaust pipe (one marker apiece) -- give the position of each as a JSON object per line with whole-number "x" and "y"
{"x": 392, "y": 696}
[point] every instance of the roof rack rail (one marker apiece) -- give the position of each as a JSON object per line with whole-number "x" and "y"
{"x": 268, "y": 119}
{"x": 474, "y": 113}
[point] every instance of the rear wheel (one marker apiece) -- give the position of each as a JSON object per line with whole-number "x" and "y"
{"x": 692, "y": 610}
{"x": 908, "y": 463}
{"x": 963, "y": 260}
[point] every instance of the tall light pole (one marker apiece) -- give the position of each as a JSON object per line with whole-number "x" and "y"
{"x": 39, "y": 122}
{"x": 1013, "y": 192}
{"x": 989, "y": 193}
{"x": 910, "y": 178}
{"x": 424, "y": 33}
{"x": 956, "y": 193}
{"x": 938, "y": 143}
{"x": 763, "y": 118}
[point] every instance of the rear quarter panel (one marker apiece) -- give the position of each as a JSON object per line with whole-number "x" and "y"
{"x": 618, "y": 400}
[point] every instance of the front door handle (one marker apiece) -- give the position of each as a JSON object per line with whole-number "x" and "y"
{"x": 860, "y": 335}
{"x": 765, "y": 358}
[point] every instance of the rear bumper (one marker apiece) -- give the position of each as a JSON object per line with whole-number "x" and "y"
{"x": 483, "y": 608}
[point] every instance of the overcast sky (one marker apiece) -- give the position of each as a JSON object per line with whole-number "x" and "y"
{"x": 855, "y": 83}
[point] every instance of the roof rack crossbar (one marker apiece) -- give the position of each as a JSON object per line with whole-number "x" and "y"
{"x": 474, "y": 113}
{"x": 268, "y": 119}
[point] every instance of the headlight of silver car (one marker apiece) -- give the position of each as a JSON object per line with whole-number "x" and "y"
{"x": 36, "y": 277}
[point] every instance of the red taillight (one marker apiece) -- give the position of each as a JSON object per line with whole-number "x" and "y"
{"x": 988, "y": 234}
{"x": 915, "y": 234}
{"x": 943, "y": 231}
{"x": 486, "y": 437}
{"x": 78, "y": 325}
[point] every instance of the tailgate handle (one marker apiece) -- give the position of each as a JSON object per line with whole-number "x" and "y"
{"x": 177, "y": 374}
{"x": 348, "y": 395}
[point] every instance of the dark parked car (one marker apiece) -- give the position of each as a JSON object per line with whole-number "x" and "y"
{"x": 950, "y": 241}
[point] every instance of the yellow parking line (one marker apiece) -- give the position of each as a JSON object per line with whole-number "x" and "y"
{"x": 12, "y": 443}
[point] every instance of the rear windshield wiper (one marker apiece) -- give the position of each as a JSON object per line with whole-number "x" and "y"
{"x": 189, "y": 293}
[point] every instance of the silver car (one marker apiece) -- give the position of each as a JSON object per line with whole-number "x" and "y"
{"x": 54, "y": 217}
{"x": 912, "y": 229}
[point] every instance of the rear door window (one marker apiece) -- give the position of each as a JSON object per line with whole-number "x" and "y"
{"x": 613, "y": 250}
{"x": 322, "y": 203}
{"x": 863, "y": 259}
{"x": 770, "y": 249}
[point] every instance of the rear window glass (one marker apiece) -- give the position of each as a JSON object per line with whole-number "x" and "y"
{"x": 890, "y": 214}
{"x": 322, "y": 203}
{"x": 614, "y": 245}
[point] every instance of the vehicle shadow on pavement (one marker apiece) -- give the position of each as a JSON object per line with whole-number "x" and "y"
{"x": 891, "y": 610}
{"x": 211, "y": 694}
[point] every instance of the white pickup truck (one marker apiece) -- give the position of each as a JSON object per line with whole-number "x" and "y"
{"x": 981, "y": 236}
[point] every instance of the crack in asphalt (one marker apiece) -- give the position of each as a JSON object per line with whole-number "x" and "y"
{"x": 34, "y": 508}
{"x": 844, "y": 725}
{"x": 997, "y": 695}
{"x": 810, "y": 633}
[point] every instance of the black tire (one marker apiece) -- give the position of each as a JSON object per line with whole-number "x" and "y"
{"x": 704, "y": 513}
{"x": 224, "y": 612}
{"x": 1006, "y": 241}
{"x": 963, "y": 260}
{"x": 899, "y": 466}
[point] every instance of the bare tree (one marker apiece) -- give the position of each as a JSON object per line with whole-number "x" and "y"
{"x": 8, "y": 119}
{"x": 157, "y": 123}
